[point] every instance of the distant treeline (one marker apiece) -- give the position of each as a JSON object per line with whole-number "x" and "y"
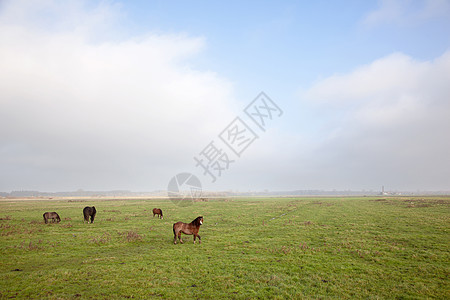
{"x": 162, "y": 193}
{"x": 341, "y": 193}
{"x": 81, "y": 193}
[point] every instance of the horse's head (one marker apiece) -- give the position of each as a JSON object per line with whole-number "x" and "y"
{"x": 198, "y": 221}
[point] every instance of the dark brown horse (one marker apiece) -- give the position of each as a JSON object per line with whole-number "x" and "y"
{"x": 191, "y": 228}
{"x": 158, "y": 212}
{"x": 89, "y": 212}
{"x": 51, "y": 215}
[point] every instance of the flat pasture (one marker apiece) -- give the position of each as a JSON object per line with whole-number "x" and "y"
{"x": 252, "y": 248}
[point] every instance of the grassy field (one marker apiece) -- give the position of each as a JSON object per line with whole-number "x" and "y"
{"x": 251, "y": 248}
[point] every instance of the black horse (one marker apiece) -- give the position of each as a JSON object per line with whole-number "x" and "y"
{"x": 89, "y": 212}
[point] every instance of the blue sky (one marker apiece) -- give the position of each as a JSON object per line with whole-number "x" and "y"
{"x": 298, "y": 41}
{"x": 123, "y": 94}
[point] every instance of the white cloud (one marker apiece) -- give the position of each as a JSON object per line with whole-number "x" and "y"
{"x": 388, "y": 124}
{"x": 83, "y": 108}
{"x": 404, "y": 12}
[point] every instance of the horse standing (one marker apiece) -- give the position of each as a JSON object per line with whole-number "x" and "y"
{"x": 157, "y": 212}
{"x": 51, "y": 215}
{"x": 89, "y": 212}
{"x": 191, "y": 228}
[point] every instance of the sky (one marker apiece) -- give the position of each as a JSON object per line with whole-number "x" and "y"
{"x": 125, "y": 95}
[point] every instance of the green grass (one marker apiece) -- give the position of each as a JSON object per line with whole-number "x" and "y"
{"x": 251, "y": 248}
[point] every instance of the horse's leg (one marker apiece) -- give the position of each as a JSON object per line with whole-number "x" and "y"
{"x": 179, "y": 236}
{"x": 174, "y": 237}
{"x": 199, "y": 239}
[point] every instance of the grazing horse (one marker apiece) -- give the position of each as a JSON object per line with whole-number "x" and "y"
{"x": 51, "y": 215}
{"x": 158, "y": 212}
{"x": 89, "y": 212}
{"x": 191, "y": 228}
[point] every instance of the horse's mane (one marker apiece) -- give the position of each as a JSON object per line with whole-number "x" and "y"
{"x": 196, "y": 222}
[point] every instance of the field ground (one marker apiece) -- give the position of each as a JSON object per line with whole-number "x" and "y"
{"x": 251, "y": 248}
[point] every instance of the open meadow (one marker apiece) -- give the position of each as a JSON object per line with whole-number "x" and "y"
{"x": 251, "y": 248}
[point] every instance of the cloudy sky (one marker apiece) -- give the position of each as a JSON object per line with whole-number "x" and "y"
{"x": 102, "y": 95}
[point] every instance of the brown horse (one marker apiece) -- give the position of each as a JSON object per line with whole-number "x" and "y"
{"x": 51, "y": 215}
{"x": 158, "y": 212}
{"x": 191, "y": 228}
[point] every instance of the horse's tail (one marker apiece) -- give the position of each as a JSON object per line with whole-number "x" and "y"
{"x": 174, "y": 231}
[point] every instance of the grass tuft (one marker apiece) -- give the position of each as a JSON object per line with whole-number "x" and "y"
{"x": 131, "y": 236}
